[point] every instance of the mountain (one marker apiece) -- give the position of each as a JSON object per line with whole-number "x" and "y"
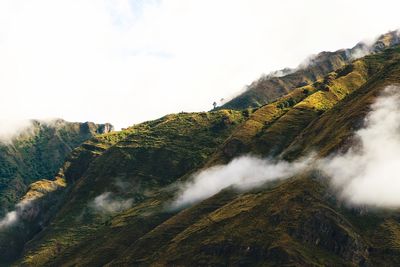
{"x": 38, "y": 152}
{"x": 136, "y": 164}
{"x": 112, "y": 201}
{"x": 272, "y": 86}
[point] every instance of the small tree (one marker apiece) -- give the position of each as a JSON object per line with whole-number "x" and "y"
{"x": 215, "y": 104}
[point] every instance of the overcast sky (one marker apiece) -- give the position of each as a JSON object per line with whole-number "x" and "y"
{"x": 126, "y": 61}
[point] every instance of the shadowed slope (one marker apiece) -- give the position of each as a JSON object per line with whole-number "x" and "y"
{"x": 37, "y": 153}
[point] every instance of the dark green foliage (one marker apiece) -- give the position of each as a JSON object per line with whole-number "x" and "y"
{"x": 37, "y": 153}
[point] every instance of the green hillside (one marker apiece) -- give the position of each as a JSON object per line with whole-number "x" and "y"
{"x": 137, "y": 163}
{"x": 36, "y": 153}
{"x": 110, "y": 203}
{"x": 269, "y": 87}
{"x": 297, "y": 222}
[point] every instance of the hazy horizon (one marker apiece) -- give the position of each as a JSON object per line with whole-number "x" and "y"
{"x": 127, "y": 61}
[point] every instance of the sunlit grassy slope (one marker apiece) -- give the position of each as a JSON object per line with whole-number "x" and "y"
{"x": 297, "y": 222}
{"x": 267, "y": 89}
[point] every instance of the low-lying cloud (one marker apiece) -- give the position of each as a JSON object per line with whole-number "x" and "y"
{"x": 107, "y": 203}
{"x": 242, "y": 173}
{"x": 13, "y": 217}
{"x": 367, "y": 174}
{"x": 12, "y": 128}
{"x": 10, "y": 218}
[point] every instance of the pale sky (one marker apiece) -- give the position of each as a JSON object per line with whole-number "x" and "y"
{"x": 126, "y": 61}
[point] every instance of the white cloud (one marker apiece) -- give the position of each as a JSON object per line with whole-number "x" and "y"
{"x": 242, "y": 173}
{"x": 9, "y": 219}
{"x": 125, "y": 61}
{"x": 14, "y": 216}
{"x": 11, "y": 128}
{"x": 367, "y": 174}
{"x": 107, "y": 203}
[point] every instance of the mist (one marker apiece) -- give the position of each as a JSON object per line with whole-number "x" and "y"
{"x": 242, "y": 173}
{"x": 13, "y": 217}
{"x": 108, "y": 203}
{"x": 367, "y": 174}
{"x": 9, "y": 219}
{"x": 11, "y": 128}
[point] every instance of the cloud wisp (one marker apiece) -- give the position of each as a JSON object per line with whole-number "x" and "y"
{"x": 13, "y": 217}
{"x": 12, "y": 128}
{"x": 367, "y": 174}
{"x": 242, "y": 173}
{"x": 107, "y": 203}
{"x": 9, "y": 219}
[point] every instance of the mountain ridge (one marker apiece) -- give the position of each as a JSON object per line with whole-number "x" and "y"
{"x": 115, "y": 206}
{"x": 270, "y": 87}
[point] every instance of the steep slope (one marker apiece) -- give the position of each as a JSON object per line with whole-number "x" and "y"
{"x": 291, "y": 224}
{"x": 133, "y": 167}
{"x": 270, "y": 87}
{"x": 272, "y": 127}
{"x": 298, "y": 222}
{"x": 38, "y": 152}
{"x": 114, "y": 192}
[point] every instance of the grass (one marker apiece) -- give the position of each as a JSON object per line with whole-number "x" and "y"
{"x": 136, "y": 163}
{"x": 296, "y": 222}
